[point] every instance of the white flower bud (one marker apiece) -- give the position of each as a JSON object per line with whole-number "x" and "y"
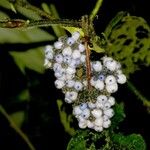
{"x": 107, "y": 105}
{"x": 86, "y": 113}
{"x": 81, "y": 48}
{"x": 99, "y": 85}
{"x": 90, "y": 124}
{"x": 58, "y": 44}
{"x": 102, "y": 99}
{"x": 109, "y": 112}
{"x": 70, "y": 41}
{"x": 97, "y": 113}
{"x": 121, "y": 78}
{"x": 83, "y": 106}
{"x": 98, "y": 128}
{"x": 59, "y": 58}
{"x": 110, "y": 79}
{"x": 112, "y": 88}
{"x": 111, "y": 100}
{"x": 67, "y": 51}
{"x": 82, "y": 124}
{"x": 76, "y": 54}
{"x": 47, "y": 63}
{"x": 78, "y": 86}
{"x": 77, "y": 111}
{"x": 71, "y": 95}
{"x": 67, "y": 59}
{"x": 48, "y": 48}
{"x": 83, "y": 58}
{"x": 99, "y": 122}
{"x": 91, "y": 105}
{"x": 70, "y": 83}
{"x": 97, "y": 66}
{"x": 106, "y": 124}
{"x": 59, "y": 84}
{"x": 70, "y": 70}
{"x": 76, "y": 35}
{"x": 111, "y": 65}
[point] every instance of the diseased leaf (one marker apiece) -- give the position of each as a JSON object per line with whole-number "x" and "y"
{"x": 31, "y": 59}
{"x": 130, "y": 43}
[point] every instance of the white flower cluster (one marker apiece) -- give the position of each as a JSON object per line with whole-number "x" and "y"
{"x": 91, "y": 107}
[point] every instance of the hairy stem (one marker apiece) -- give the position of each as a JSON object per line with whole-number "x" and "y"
{"x": 19, "y": 23}
{"x": 139, "y": 95}
{"x": 96, "y": 9}
{"x": 13, "y": 125}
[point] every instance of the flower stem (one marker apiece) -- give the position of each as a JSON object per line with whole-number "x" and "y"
{"x": 13, "y": 125}
{"x": 139, "y": 95}
{"x": 96, "y": 9}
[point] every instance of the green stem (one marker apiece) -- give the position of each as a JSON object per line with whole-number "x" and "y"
{"x": 19, "y": 23}
{"x": 138, "y": 94}
{"x": 13, "y": 125}
{"x": 96, "y": 9}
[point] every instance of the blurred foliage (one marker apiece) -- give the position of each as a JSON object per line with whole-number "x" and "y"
{"x": 128, "y": 40}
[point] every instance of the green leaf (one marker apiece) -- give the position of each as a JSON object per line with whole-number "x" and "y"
{"x": 32, "y": 59}
{"x": 24, "y": 36}
{"x": 18, "y": 118}
{"x": 5, "y": 3}
{"x": 78, "y": 142}
{"x": 130, "y": 142}
{"x": 129, "y": 42}
{"x": 3, "y": 15}
{"x": 24, "y": 95}
{"x": 119, "y": 115}
{"x": 65, "y": 119}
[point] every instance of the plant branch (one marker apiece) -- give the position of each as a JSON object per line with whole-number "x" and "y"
{"x": 19, "y": 23}
{"x": 139, "y": 95}
{"x": 13, "y": 125}
{"x": 96, "y": 9}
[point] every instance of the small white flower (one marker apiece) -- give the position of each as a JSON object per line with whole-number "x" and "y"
{"x": 83, "y": 58}
{"x": 107, "y": 105}
{"x": 90, "y": 124}
{"x": 111, "y": 65}
{"x": 76, "y": 35}
{"x": 67, "y": 100}
{"x": 71, "y": 95}
{"x": 70, "y": 41}
{"x": 110, "y": 79}
{"x": 67, "y": 51}
{"x": 109, "y": 112}
{"x": 69, "y": 76}
{"x": 78, "y": 86}
{"x": 57, "y": 67}
{"x": 99, "y": 85}
{"x": 91, "y": 105}
{"x": 98, "y": 122}
{"x": 67, "y": 60}
{"x": 47, "y": 63}
{"x": 98, "y": 128}
{"x": 102, "y": 99}
{"x": 101, "y": 77}
{"x": 121, "y": 78}
{"x": 112, "y": 88}
{"x": 83, "y": 106}
{"x": 105, "y": 59}
{"x": 106, "y": 124}
{"x": 76, "y": 54}
{"x": 97, "y": 113}
{"x": 85, "y": 113}
{"x": 81, "y": 48}
{"x": 70, "y": 70}
{"x": 77, "y": 111}
{"x": 97, "y": 66}
{"x": 58, "y": 44}
{"x": 49, "y": 56}
{"x": 82, "y": 124}
{"x": 73, "y": 63}
{"x": 59, "y": 84}
{"x": 59, "y": 58}
{"x": 70, "y": 83}
{"x": 49, "y": 48}
{"x": 111, "y": 100}
{"x": 93, "y": 81}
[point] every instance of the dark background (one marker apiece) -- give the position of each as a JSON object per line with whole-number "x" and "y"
{"x": 42, "y": 122}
